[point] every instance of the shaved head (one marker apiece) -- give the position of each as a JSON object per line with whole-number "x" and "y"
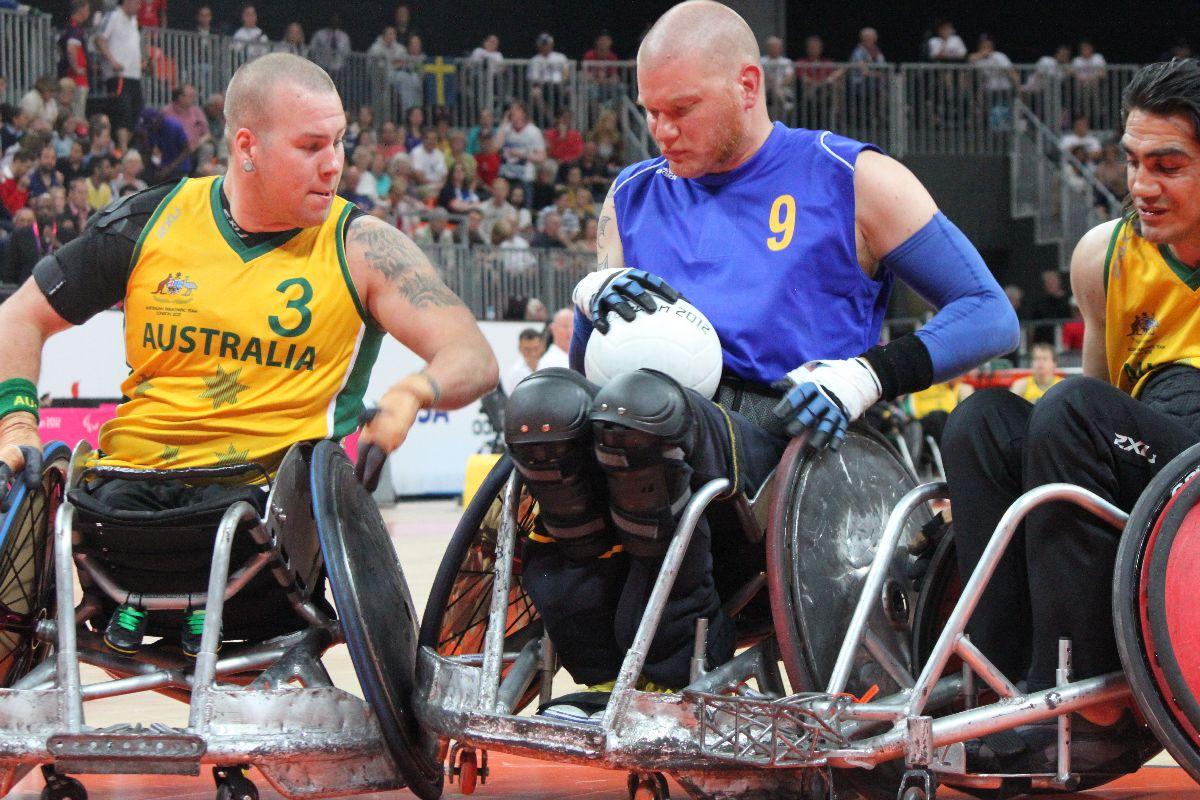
{"x": 254, "y": 85}
{"x": 711, "y": 30}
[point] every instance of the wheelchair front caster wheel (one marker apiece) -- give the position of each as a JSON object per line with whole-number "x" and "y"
{"x": 917, "y": 784}
{"x": 468, "y": 772}
{"x": 652, "y": 786}
{"x": 232, "y": 784}
{"x": 61, "y": 787}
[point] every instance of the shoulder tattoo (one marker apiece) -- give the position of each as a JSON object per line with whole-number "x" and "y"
{"x": 403, "y": 264}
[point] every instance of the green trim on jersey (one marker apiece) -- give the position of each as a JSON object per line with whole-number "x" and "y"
{"x": 349, "y": 402}
{"x": 345, "y": 265}
{"x": 1112, "y": 245}
{"x": 246, "y": 254}
{"x": 1189, "y": 276}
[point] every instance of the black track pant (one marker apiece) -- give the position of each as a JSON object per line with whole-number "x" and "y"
{"x": 592, "y": 609}
{"x": 1055, "y": 579}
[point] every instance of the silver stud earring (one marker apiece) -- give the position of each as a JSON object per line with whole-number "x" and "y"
{"x": 247, "y": 166}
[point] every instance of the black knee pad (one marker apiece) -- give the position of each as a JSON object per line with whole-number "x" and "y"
{"x": 550, "y": 438}
{"x": 644, "y": 430}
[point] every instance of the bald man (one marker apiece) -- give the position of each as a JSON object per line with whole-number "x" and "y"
{"x": 561, "y": 325}
{"x": 788, "y": 240}
{"x": 255, "y": 303}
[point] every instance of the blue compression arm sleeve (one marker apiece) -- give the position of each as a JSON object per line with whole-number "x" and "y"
{"x": 579, "y": 340}
{"x": 975, "y": 321}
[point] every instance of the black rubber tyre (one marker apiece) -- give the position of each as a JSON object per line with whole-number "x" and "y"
{"x": 376, "y": 613}
{"x": 27, "y": 567}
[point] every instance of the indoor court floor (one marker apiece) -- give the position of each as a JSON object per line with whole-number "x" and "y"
{"x": 420, "y": 531}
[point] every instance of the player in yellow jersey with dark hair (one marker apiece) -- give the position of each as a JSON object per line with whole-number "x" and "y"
{"x": 255, "y": 304}
{"x": 1110, "y": 431}
{"x": 1043, "y": 364}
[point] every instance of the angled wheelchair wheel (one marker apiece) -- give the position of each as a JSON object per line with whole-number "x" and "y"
{"x": 1155, "y": 613}
{"x": 27, "y": 567}
{"x": 376, "y": 612}
{"x": 456, "y": 612}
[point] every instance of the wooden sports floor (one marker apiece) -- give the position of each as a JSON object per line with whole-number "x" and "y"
{"x": 420, "y": 531}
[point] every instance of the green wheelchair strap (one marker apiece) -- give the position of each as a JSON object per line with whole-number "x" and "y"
{"x": 18, "y": 394}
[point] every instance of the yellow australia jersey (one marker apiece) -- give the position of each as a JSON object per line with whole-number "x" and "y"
{"x": 1033, "y": 392}
{"x": 1153, "y": 310}
{"x": 236, "y": 352}
{"x": 939, "y": 397}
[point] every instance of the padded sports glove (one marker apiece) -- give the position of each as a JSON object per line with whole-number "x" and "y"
{"x": 623, "y": 290}
{"x": 824, "y": 397}
{"x": 21, "y": 454}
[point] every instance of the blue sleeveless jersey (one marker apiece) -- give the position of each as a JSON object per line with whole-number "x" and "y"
{"x": 766, "y": 251}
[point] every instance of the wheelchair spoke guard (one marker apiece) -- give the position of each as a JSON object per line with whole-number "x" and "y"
{"x": 1155, "y": 612}
{"x": 375, "y": 610}
{"x": 27, "y": 566}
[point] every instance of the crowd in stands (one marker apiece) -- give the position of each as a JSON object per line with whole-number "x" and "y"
{"x": 504, "y": 182}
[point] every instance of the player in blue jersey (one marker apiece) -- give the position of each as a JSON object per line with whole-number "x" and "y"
{"x": 788, "y": 240}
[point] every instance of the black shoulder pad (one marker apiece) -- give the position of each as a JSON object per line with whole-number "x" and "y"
{"x": 127, "y": 215}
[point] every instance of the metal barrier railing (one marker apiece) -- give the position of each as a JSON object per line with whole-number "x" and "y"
{"x": 27, "y": 51}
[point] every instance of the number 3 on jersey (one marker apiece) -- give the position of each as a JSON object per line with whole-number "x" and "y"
{"x": 783, "y": 222}
{"x": 298, "y": 304}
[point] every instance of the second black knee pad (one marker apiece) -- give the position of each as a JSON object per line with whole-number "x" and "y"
{"x": 644, "y": 429}
{"x": 548, "y": 432}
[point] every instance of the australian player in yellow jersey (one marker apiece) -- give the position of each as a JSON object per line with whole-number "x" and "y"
{"x": 1136, "y": 407}
{"x": 255, "y": 304}
{"x": 1043, "y": 365}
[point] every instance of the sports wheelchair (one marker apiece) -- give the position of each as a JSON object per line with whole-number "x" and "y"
{"x": 258, "y": 693}
{"x": 867, "y": 614}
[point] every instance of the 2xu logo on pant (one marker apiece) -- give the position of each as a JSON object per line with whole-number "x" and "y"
{"x": 1131, "y": 445}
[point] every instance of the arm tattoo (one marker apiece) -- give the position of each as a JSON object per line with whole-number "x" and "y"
{"x": 402, "y": 263}
{"x": 603, "y": 226}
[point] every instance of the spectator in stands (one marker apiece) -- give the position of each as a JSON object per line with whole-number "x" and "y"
{"x": 73, "y": 53}
{"x": 202, "y": 70}
{"x": 414, "y": 127}
{"x": 486, "y": 65}
{"x": 820, "y": 86}
{"x": 549, "y": 73}
{"x": 523, "y": 146}
{"x": 541, "y": 194}
{"x": 329, "y": 48}
{"x": 184, "y": 108}
{"x": 293, "y": 41}
{"x": 368, "y": 183}
{"x": 414, "y": 63}
{"x": 945, "y": 46}
{"x": 388, "y": 56}
{"x": 1043, "y": 362}
{"x": 16, "y": 120}
{"x": 348, "y": 189}
{"x": 1050, "y": 70}
{"x": 35, "y": 236}
{"x": 364, "y": 121}
{"x": 1089, "y": 68}
{"x": 99, "y": 190}
{"x": 215, "y": 150}
{"x": 65, "y": 97}
{"x": 497, "y": 208}
{"x": 551, "y": 236}
{"x": 250, "y": 38}
{"x": 458, "y": 154}
{"x": 1052, "y": 303}
{"x": 867, "y": 78}
{"x": 45, "y": 174}
{"x": 153, "y": 14}
{"x": 14, "y": 191}
{"x": 441, "y": 132}
{"x": 531, "y": 346}
{"x": 571, "y": 222}
{"x": 585, "y": 205}
{"x": 604, "y": 82}
{"x": 1080, "y": 136}
{"x": 1180, "y": 49}
{"x": 585, "y": 241}
{"x": 596, "y": 176}
{"x": 403, "y": 210}
{"x": 435, "y": 232}
{"x": 165, "y": 138}
{"x": 511, "y": 250}
{"x": 487, "y": 161}
{"x": 485, "y": 127}
{"x": 1110, "y": 171}
{"x": 39, "y": 102}
{"x": 120, "y": 44}
{"x": 402, "y": 21}
{"x": 471, "y": 233}
{"x": 562, "y": 326}
{"x": 564, "y": 144}
{"x": 77, "y": 209}
{"x": 429, "y": 165}
{"x": 931, "y": 407}
{"x": 519, "y": 200}
{"x": 130, "y": 176}
{"x": 66, "y": 134}
{"x": 867, "y": 52}
{"x": 73, "y": 165}
{"x": 996, "y": 82}
{"x": 458, "y": 195}
{"x": 779, "y": 79}
{"x": 606, "y": 135}
{"x": 1072, "y": 332}
{"x": 100, "y": 142}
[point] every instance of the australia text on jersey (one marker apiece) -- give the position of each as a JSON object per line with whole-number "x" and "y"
{"x": 226, "y": 344}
